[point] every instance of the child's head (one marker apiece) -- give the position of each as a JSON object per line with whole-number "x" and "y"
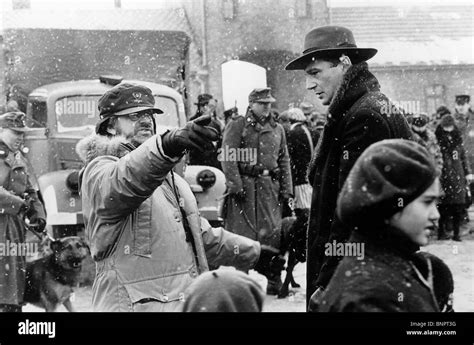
{"x": 393, "y": 182}
{"x": 224, "y": 291}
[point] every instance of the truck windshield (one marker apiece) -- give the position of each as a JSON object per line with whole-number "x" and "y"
{"x": 75, "y": 113}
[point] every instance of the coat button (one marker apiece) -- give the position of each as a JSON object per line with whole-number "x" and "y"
{"x": 193, "y": 273}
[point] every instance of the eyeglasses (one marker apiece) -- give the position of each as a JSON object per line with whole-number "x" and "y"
{"x": 139, "y": 115}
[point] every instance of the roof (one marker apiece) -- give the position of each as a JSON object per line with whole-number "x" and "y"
{"x": 163, "y": 19}
{"x": 94, "y": 86}
{"x": 106, "y": 19}
{"x": 412, "y": 34}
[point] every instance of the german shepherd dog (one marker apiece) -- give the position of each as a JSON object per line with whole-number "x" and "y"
{"x": 50, "y": 280}
{"x": 293, "y": 242}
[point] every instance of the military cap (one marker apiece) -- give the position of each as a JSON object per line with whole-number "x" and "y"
{"x": 14, "y": 120}
{"x": 261, "y": 95}
{"x": 203, "y": 99}
{"x": 461, "y": 99}
{"x": 124, "y": 99}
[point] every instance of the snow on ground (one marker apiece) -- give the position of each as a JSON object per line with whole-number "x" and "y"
{"x": 459, "y": 256}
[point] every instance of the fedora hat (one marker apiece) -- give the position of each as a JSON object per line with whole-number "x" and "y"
{"x": 330, "y": 41}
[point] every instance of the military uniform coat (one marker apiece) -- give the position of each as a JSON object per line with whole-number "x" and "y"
{"x": 15, "y": 182}
{"x": 258, "y": 216}
{"x": 468, "y": 138}
{"x": 359, "y": 115}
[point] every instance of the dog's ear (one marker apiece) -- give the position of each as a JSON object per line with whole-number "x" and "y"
{"x": 56, "y": 245}
{"x": 88, "y": 248}
{"x": 84, "y": 244}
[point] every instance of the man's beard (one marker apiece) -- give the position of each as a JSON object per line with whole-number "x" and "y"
{"x": 142, "y": 133}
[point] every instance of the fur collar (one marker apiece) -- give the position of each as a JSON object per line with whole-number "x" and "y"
{"x": 356, "y": 82}
{"x": 96, "y": 145}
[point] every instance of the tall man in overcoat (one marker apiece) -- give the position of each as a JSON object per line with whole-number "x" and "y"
{"x": 258, "y": 176}
{"x": 358, "y": 115}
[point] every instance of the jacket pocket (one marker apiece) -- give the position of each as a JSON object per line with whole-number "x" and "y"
{"x": 142, "y": 229}
{"x": 149, "y": 295}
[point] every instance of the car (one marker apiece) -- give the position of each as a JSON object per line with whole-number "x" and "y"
{"x": 60, "y": 114}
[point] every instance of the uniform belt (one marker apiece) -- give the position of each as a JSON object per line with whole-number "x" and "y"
{"x": 256, "y": 171}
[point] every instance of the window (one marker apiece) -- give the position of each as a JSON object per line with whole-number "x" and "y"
{"x": 37, "y": 115}
{"x": 228, "y": 9}
{"x": 435, "y": 96}
{"x": 75, "y": 113}
{"x": 302, "y": 9}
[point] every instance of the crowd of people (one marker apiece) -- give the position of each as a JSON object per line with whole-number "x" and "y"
{"x": 354, "y": 174}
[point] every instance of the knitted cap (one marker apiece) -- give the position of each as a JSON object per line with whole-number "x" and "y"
{"x": 447, "y": 121}
{"x": 224, "y": 291}
{"x": 442, "y": 110}
{"x": 385, "y": 178}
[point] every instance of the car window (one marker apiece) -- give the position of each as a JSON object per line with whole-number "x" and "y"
{"x": 75, "y": 113}
{"x": 37, "y": 115}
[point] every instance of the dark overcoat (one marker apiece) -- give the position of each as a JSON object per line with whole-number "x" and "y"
{"x": 468, "y": 138}
{"x": 258, "y": 216}
{"x": 455, "y": 166}
{"x": 358, "y": 116}
{"x": 387, "y": 279}
{"x": 300, "y": 152}
{"x": 15, "y": 184}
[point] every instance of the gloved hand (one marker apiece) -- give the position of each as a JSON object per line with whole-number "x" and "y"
{"x": 37, "y": 224}
{"x": 24, "y": 209}
{"x": 195, "y": 134}
{"x": 270, "y": 261}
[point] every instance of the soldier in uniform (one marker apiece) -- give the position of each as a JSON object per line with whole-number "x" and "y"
{"x": 464, "y": 118}
{"x": 258, "y": 177}
{"x": 18, "y": 201}
{"x": 206, "y": 105}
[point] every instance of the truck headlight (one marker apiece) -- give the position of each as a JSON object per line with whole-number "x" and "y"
{"x": 206, "y": 178}
{"x": 72, "y": 182}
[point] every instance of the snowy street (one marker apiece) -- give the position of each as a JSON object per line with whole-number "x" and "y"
{"x": 458, "y": 256}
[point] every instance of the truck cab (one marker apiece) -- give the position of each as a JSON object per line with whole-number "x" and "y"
{"x": 60, "y": 114}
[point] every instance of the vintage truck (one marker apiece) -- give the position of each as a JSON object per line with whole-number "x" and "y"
{"x": 60, "y": 114}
